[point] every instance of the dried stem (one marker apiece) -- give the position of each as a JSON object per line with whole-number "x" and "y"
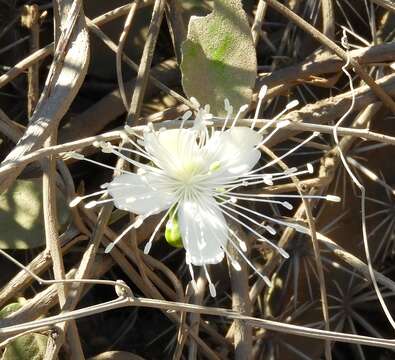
{"x": 145, "y": 62}
{"x": 303, "y": 24}
{"x": 119, "y": 53}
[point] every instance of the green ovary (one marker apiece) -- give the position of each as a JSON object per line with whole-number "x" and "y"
{"x": 172, "y": 232}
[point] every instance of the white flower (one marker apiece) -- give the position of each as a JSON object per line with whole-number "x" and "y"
{"x": 194, "y": 175}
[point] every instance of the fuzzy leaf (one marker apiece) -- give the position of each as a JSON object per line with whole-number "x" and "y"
{"x": 219, "y": 58}
{"x": 9, "y": 309}
{"x": 21, "y": 215}
{"x": 26, "y": 347}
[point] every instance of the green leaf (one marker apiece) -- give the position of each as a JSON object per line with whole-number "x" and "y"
{"x": 219, "y": 57}
{"x": 21, "y": 215}
{"x": 9, "y": 309}
{"x": 26, "y": 347}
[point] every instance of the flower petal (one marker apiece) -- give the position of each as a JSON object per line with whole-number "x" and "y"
{"x": 172, "y": 149}
{"x": 140, "y": 194}
{"x": 204, "y": 231}
{"x": 234, "y": 150}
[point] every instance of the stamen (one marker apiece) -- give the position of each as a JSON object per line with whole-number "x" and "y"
{"x": 290, "y": 170}
{"x": 82, "y": 157}
{"x": 270, "y": 163}
{"x": 261, "y": 95}
{"x": 229, "y": 112}
{"x": 75, "y": 201}
{"x": 93, "y": 203}
{"x": 108, "y": 148}
{"x": 211, "y": 286}
{"x": 248, "y": 262}
{"x": 236, "y": 265}
{"x": 141, "y": 153}
{"x": 243, "y": 245}
{"x": 287, "y": 205}
{"x": 227, "y": 104}
{"x": 259, "y": 236}
{"x": 187, "y": 115}
{"x": 258, "y": 196}
{"x": 279, "y": 126}
{"x": 78, "y": 199}
{"x": 292, "y": 104}
{"x": 333, "y": 198}
{"x": 288, "y": 107}
{"x": 148, "y": 246}
{"x": 241, "y": 110}
{"x": 245, "y": 197}
{"x": 282, "y": 124}
{"x": 135, "y": 224}
{"x": 193, "y": 281}
{"x": 76, "y": 156}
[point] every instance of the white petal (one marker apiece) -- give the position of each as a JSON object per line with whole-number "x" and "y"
{"x": 234, "y": 150}
{"x": 171, "y": 149}
{"x": 140, "y": 194}
{"x": 204, "y": 231}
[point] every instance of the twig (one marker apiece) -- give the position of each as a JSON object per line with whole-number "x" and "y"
{"x": 41, "y": 54}
{"x": 119, "y": 53}
{"x": 176, "y": 26}
{"x": 322, "y": 62}
{"x": 31, "y": 20}
{"x": 38, "y": 265}
{"x": 303, "y": 24}
{"x": 45, "y": 300}
{"x": 388, "y": 4}
{"x": 333, "y": 108}
{"x": 328, "y": 19}
{"x": 52, "y": 239}
{"x": 258, "y": 20}
{"x": 229, "y": 314}
{"x": 194, "y": 319}
{"x": 145, "y": 62}
{"x": 57, "y": 97}
{"x": 316, "y": 249}
{"x": 242, "y": 333}
{"x": 153, "y": 78}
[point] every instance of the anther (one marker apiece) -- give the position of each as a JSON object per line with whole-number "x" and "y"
{"x": 75, "y": 201}
{"x": 282, "y": 124}
{"x": 91, "y": 204}
{"x": 236, "y": 265}
{"x": 211, "y": 286}
{"x": 262, "y": 92}
{"x": 333, "y": 198}
{"x": 287, "y": 205}
{"x": 187, "y": 115}
{"x": 76, "y": 156}
{"x": 292, "y": 104}
{"x": 147, "y": 247}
